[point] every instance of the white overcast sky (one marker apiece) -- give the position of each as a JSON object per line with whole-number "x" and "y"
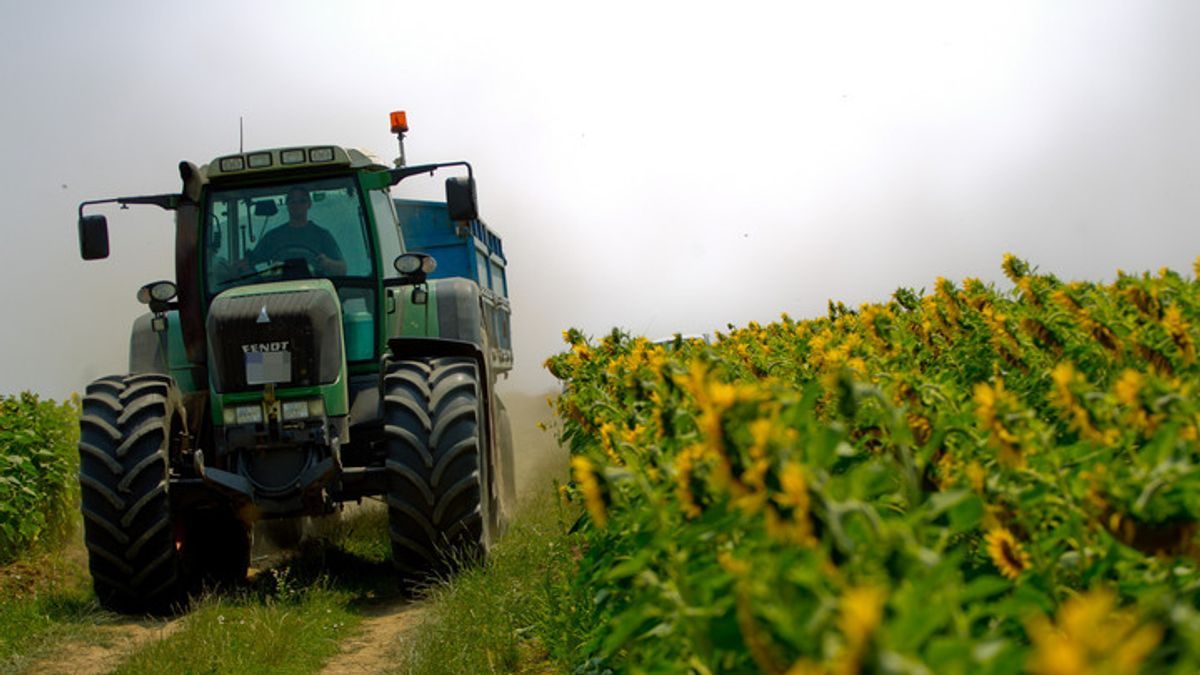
{"x": 658, "y": 166}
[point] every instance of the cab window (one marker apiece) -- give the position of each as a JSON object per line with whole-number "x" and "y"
{"x": 254, "y": 234}
{"x": 388, "y": 226}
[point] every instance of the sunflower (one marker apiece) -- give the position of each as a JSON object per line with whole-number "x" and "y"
{"x": 1007, "y": 553}
{"x": 589, "y": 484}
{"x": 861, "y": 611}
{"x": 1091, "y": 634}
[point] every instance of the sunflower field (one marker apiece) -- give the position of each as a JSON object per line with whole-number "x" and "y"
{"x": 969, "y": 480}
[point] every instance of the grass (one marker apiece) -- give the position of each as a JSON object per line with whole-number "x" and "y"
{"x": 520, "y": 612}
{"x": 44, "y": 600}
{"x": 291, "y": 618}
{"x": 290, "y": 632}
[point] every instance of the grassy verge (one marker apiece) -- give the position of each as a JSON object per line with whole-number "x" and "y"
{"x": 44, "y": 600}
{"x": 514, "y": 614}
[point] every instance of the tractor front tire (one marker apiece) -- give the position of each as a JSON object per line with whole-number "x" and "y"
{"x": 127, "y": 426}
{"x": 438, "y": 501}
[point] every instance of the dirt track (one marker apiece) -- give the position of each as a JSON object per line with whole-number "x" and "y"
{"x": 369, "y": 650}
{"x": 114, "y": 642}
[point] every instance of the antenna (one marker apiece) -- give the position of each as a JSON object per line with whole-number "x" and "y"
{"x": 241, "y": 136}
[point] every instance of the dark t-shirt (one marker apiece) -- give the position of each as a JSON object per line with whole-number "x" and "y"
{"x": 311, "y": 237}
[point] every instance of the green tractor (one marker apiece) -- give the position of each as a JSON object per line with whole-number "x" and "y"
{"x": 303, "y": 357}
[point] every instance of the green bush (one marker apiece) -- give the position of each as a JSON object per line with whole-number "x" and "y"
{"x": 38, "y": 463}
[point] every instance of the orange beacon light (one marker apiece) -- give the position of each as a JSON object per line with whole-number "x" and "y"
{"x": 399, "y": 122}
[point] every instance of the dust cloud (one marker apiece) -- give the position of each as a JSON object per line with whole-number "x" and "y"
{"x": 539, "y": 458}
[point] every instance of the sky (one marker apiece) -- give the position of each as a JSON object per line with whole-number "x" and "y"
{"x": 656, "y": 166}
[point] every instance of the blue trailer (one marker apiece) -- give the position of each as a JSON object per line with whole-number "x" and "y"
{"x": 470, "y": 250}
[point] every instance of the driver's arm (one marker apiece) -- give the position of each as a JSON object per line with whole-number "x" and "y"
{"x": 329, "y": 258}
{"x": 331, "y": 266}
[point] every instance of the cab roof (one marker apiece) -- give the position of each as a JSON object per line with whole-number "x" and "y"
{"x": 274, "y": 160}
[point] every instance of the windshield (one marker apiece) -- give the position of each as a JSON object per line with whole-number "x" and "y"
{"x": 313, "y": 228}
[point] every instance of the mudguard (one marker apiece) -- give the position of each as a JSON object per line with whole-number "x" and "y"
{"x": 459, "y": 310}
{"x": 146, "y": 353}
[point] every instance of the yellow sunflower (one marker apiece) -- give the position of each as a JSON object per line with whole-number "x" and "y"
{"x": 1007, "y": 553}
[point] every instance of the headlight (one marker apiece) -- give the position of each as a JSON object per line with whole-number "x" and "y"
{"x": 298, "y": 410}
{"x": 244, "y": 414}
{"x": 295, "y": 410}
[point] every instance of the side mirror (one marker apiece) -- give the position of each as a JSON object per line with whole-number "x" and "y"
{"x": 93, "y": 237}
{"x": 461, "y": 200}
{"x": 265, "y": 207}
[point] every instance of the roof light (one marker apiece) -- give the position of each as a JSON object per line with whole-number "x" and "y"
{"x": 399, "y": 122}
{"x": 259, "y": 160}
{"x": 236, "y": 163}
{"x": 293, "y": 156}
{"x": 320, "y": 155}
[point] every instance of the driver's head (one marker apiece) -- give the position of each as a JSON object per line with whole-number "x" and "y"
{"x": 298, "y": 202}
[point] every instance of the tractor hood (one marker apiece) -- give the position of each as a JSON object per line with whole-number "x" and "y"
{"x": 286, "y": 334}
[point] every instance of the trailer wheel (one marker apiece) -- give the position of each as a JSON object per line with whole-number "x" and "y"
{"x": 127, "y": 427}
{"x": 438, "y": 501}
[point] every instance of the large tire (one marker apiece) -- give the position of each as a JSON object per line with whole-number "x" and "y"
{"x": 126, "y": 430}
{"x": 438, "y": 501}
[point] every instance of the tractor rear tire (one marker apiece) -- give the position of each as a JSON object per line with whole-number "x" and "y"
{"x": 438, "y": 500}
{"x": 127, "y": 427}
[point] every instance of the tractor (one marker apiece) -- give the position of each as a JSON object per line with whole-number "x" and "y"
{"x": 310, "y": 352}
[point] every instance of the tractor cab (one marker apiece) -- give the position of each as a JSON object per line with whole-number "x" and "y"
{"x": 330, "y": 218}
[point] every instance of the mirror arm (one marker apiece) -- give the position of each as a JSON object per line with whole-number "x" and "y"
{"x": 169, "y": 202}
{"x": 407, "y": 171}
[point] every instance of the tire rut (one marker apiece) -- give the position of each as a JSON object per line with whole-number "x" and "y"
{"x": 371, "y": 648}
{"x": 105, "y": 649}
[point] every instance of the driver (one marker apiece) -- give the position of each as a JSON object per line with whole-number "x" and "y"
{"x": 300, "y": 234}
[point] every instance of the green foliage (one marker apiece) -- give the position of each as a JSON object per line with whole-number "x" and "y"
{"x": 971, "y": 480}
{"x": 38, "y": 465}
